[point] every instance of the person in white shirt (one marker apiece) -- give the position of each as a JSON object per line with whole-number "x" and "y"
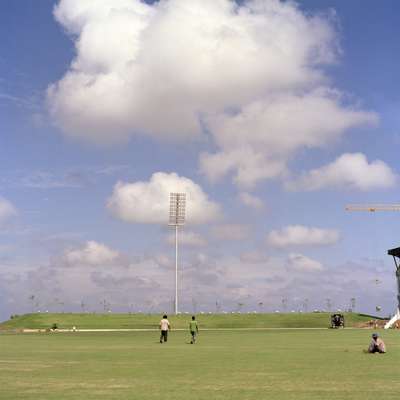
{"x": 164, "y": 328}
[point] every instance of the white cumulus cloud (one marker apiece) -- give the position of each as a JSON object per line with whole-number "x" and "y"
{"x": 156, "y": 68}
{"x": 251, "y": 200}
{"x": 7, "y": 209}
{"x": 92, "y": 253}
{"x": 257, "y": 142}
{"x": 349, "y": 171}
{"x": 299, "y": 235}
{"x": 249, "y": 75}
{"x": 148, "y": 202}
{"x": 299, "y": 262}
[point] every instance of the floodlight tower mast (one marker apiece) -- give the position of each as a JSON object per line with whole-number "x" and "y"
{"x": 177, "y": 207}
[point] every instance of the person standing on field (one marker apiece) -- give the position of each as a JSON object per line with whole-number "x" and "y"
{"x": 164, "y": 328}
{"x": 194, "y": 329}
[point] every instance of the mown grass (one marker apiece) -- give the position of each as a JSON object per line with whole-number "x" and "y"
{"x": 126, "y": 321}
{"x": 245, "y": 365}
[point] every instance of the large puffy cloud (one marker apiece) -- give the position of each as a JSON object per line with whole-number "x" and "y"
{"x": 299, "y": 235}
{"x": 162, "y": 69}
{"x": 257, "y": 142}
{"x": 148, "y": 202}
{"x": 156, "y": 68}
{"x": 250, "y": 75}
{"x": 92, "y": 253}
{"x": 349, "y": 171}
{"x": 7, "y": 210}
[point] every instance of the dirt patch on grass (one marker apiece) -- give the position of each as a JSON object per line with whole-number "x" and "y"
{"x": 373, "y": 324}
{"x": 62, "y": 385}
{"x": 28, "y": 366}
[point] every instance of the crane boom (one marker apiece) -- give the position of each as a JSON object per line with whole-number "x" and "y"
{"x": 373, "y": 207}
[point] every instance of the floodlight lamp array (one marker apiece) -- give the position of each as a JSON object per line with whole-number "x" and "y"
{"x": 177, "y": 209}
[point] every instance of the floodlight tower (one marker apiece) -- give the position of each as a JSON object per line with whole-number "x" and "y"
{"x": 177, "y": 206}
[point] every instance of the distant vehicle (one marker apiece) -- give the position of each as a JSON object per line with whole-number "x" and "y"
{"x": 337, "y": 320}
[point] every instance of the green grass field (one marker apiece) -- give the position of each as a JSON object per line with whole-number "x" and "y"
{"x": 124, "y": 321}
{"x": 245, "y": 365}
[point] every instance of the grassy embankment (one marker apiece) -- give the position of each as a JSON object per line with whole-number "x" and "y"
{"x": 136, "y": 321}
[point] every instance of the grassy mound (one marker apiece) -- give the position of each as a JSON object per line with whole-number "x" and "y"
{"x": 143, "y": 321}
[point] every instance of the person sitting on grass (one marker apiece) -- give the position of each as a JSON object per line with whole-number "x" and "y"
{"x": 377, "y": 345}
{"x": 194, "y": 329}
{"x": 164, "y": 327}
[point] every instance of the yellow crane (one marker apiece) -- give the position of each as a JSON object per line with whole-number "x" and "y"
{"x": 393, "y": 252}
{"x": 373, "y": 207}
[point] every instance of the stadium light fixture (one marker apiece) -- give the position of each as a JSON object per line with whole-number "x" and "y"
{"x": 177, "y": 212}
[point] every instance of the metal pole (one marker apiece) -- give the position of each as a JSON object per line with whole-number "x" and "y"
{"x": 176, "y": 269}
{"x": 176, "y": 218}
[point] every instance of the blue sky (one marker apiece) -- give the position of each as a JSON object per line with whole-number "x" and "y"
{"x": 271, "y": 120}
